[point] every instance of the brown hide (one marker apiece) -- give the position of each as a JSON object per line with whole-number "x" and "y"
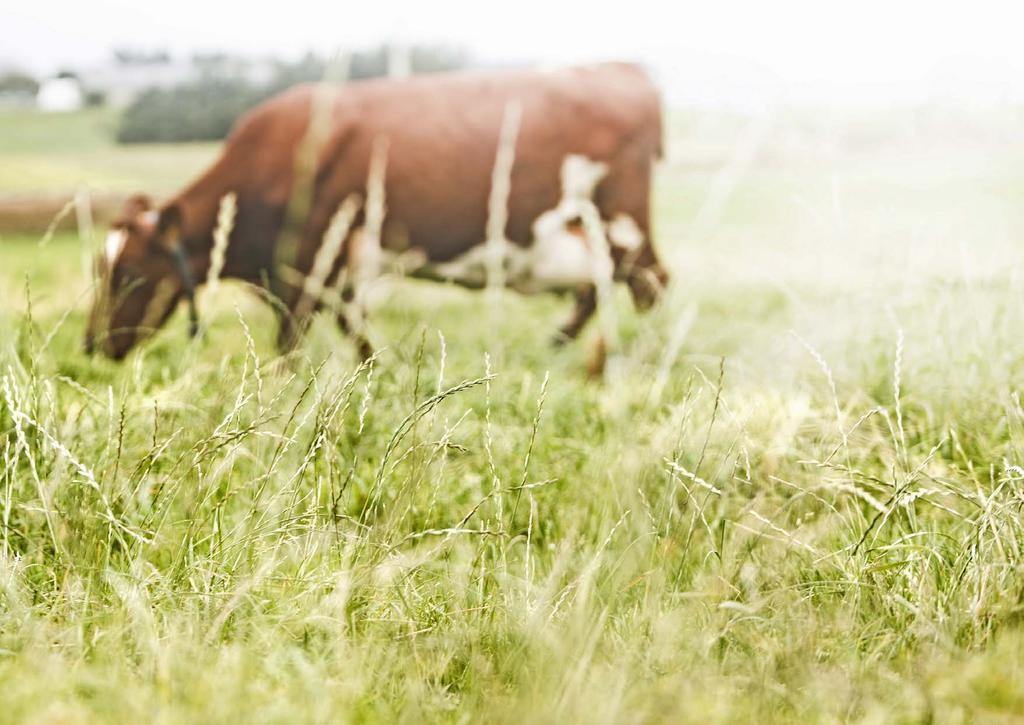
{"x": 443, "y": 135}
{"x": 442, "y": 132}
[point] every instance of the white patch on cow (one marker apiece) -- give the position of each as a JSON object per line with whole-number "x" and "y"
{"x": 561, "y": 255}
{"x": 151, "y": 217}
{"x": 114, "y": 245}
{"x": 560, "y": 258}
{"x": 580, "y": 177}
{"x": 624, "y": 233}
{"x": 470, "y": 267}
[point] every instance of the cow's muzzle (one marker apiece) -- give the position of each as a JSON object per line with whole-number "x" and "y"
{"x": 647, "y": 284}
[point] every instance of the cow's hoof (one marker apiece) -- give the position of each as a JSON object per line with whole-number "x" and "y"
{"x": 597, "y": 359}
{"x": 560, "y": 339}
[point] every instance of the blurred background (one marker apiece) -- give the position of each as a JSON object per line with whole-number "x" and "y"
{"x": 733, "y": 54}
{"x": 80, "y": 83}
{"x": 127, "y": 73}
{"x": 809, "y": 144}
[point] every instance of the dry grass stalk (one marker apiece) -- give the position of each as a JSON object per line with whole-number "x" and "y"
{"x": 675, "y": 344}
{"x": 366, "y": 255}
{"x": 84, "y": 220}
{"x": 602, "y": 269}
{"x": 830, "y": 378}
{"x": 305, "y": 162}
{"x": 327, "y": 254}
{"x": 221, "y": 236}
{"x": 727, "y": 179}
{"x": 51, "y": 228}
{"x": 501, "y": 189}
{"x": 156, "y": 308}
{"x": 897, "y": 376}
{"x": 307, "y": 155}
{"x": 368, "y": 259}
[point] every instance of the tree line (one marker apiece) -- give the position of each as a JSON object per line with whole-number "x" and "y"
{"x": 205, "y": 107}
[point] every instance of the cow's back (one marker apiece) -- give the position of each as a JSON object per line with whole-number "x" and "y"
{"x": 442, "y": 133}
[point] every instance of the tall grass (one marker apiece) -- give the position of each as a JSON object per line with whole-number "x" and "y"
{"x": 801, "y": 500}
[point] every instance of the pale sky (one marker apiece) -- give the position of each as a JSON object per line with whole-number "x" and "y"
{"x": 744, "y": 52}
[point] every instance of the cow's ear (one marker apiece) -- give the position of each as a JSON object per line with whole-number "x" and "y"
{"x": 137, "y": 204}
{"x": 168, "y": 228}
{"x": 133, "y": 207}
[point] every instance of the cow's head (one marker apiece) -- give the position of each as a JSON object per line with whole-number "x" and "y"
{"x": 142, "y": 272}
{"x": 647, "y": 282}
{"x": 636, "y": 261}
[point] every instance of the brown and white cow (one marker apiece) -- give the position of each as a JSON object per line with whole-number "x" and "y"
{"x": 585, "y": 135}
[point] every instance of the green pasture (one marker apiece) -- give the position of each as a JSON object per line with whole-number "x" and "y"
{"x": 797, "y": 497}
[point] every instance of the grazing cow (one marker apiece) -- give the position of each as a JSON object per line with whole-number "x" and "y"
{"x": 585, "y": 136}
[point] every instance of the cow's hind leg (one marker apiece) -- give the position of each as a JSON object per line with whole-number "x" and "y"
{"x": 351, "y": 319}
{"x": 274, "y": 291}
{"x": 586, "y": 305}
{"x": 290, "y": 331}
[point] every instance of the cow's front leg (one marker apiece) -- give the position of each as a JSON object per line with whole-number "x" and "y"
{"x": 278, "y": 294}
{"x": 586, "y": 305}
{"x": 289, "y": 330}
{"x": 362, "y": 343}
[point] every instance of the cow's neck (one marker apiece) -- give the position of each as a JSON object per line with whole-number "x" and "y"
{"x": 200, "y": 204}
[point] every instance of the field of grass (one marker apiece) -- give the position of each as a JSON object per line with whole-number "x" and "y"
{"x": 56, "y": 153}
{"x": 799, "y": 499}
